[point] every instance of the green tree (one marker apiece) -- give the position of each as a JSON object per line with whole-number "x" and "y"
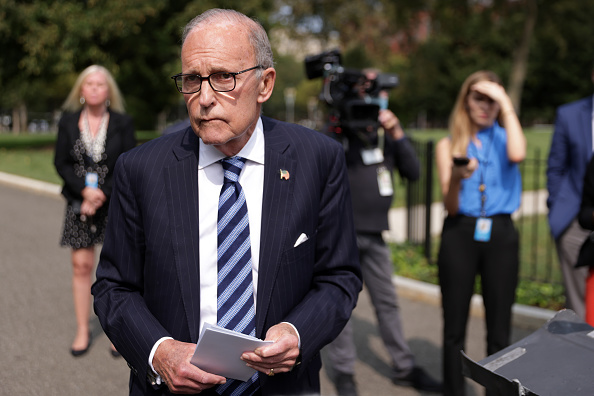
{"x": 376, "y": 25}
{"x": 494, "y": 36}
{"x": 561, "y": 59}
{"x": 50, "y": 41}
{"x": 540, "y": 48}
{"x": 46, "y": 43}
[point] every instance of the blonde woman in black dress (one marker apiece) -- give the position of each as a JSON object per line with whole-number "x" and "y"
{"x": 92, "y": 133}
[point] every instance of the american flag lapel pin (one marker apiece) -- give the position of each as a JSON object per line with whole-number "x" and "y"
{"x": 284, "y": 174}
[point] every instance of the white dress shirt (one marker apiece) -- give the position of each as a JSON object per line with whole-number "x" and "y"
{"x": 210, "y": 182}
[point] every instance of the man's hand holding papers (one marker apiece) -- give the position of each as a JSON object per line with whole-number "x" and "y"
{"x": 219, "y": 351}
{"x": 279, "y": 357}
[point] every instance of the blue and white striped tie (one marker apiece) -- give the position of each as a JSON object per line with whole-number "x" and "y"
{"x": 235, "y": 292}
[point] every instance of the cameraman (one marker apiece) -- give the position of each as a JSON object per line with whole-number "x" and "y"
{"x": 372, "y": 155}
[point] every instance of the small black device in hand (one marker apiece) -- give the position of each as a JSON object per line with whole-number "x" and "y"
{"x": 461, "y": 161}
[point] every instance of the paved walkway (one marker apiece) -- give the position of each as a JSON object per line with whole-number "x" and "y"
{"x": 38, "y": 322}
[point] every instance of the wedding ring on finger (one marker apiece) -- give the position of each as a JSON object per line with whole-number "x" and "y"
{"x": 271, "y": 373}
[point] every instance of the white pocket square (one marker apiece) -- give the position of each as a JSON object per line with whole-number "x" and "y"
{"x": 302, "y": 238}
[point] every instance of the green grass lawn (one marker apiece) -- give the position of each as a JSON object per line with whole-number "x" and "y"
{"x": 33, "y": 163}
{"x": 32, "y": 156}
{"x": 537, "y": 138}
{"x": 533, "y": 168}
{"x": 538, "y": 143}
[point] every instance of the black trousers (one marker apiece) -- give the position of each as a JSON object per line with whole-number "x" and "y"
{"x": 460, "y": 260}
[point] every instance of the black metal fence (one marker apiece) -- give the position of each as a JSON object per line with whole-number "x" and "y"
{"x": 538, "y": 258}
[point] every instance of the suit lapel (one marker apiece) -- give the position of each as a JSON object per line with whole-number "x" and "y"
{"x": 111, "y": 125}
{"x": 181, "y": 186}
{"x": 276, "y": 208}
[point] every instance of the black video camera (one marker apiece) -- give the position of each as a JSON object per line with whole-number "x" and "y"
{"x": 354, "y": 100}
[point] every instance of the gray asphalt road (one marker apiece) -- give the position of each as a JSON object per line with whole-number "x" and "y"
{"x": 37, "y": 320}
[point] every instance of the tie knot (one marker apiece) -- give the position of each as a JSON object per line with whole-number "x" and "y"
{"x": 232, "y": 168}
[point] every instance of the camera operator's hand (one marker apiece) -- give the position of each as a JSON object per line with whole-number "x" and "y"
{"x": 391, "y": 124}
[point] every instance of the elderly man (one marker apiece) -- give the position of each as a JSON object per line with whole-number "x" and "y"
{"x": 238, "y": 220}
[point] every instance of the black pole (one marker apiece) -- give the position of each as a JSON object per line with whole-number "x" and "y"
{"x": 428, "y": 197}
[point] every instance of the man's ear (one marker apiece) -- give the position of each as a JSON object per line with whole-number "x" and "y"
{"x": 266, "y": 84}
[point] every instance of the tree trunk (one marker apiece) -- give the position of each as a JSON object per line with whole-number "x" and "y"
{"x": 19, "y": 118}
{"x": 521, "y": 55}
{"x": 161, "y": 121}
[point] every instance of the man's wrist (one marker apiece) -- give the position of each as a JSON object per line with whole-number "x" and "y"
{"x": 296, "y": 332}
{"x": 397, "y": 133}
{"x": 155, "y": 379}
{"x": 298, "y": 359}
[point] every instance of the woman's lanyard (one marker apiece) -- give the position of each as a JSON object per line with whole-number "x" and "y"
{"x": 482, "y": 189}
{"x": 484, "y": 225}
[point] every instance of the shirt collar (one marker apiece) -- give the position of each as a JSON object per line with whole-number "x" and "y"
{"x": 253, "y": 149}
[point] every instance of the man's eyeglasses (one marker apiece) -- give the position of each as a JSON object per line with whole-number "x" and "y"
{"x": 219, "y": 82}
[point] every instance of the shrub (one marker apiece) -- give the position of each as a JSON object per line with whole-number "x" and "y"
{"x": 410, "y": 262}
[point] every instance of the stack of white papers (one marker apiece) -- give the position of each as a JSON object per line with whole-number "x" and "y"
{"x": 219, "y": 352}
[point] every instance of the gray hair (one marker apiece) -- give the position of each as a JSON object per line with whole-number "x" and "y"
{"x": 257, "y": 35}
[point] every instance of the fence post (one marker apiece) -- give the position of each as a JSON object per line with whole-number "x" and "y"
{"x": 428, "y": 197}
{"x": 409, "y": 205}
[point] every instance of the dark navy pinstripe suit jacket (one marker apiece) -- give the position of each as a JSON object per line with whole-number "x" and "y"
{"x": 571, "y": 150}
{"x": 148, "y": 277}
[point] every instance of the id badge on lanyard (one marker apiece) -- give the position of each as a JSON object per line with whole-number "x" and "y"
{"x": 372, "y": 156}
{"x": 482, "y": 230}
{"x": 484, "y": 225}
{"x": 384, "y": 182}
{"x": 92, "y": 180}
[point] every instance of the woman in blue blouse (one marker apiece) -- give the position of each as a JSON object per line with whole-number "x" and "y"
{"x": 479, "y": 237}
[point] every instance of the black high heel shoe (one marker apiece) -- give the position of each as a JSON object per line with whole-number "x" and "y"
{"x": 80, "y": 352}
